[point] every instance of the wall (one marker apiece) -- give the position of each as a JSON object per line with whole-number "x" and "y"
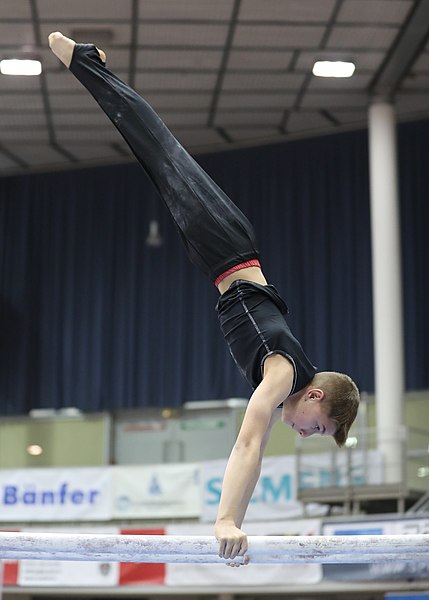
{"x": 81, "y": 441}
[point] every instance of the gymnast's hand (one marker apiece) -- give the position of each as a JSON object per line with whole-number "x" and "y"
{"x": 232, "y": 542}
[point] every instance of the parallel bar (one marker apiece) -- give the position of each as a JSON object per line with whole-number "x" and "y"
{"x": 414, "y": 557}
{"x": 194, "y": 549}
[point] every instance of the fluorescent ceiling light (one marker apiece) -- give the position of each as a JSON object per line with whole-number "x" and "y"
{"x": 20, "y": 67}
{"x": 329, "y": 68}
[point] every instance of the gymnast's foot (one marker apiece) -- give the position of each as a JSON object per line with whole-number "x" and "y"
{"x": 63, "y": 47}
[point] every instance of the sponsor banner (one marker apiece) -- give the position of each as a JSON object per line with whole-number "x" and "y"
{"x": 346, "y": 468}
{"x": 213, "y": 575}
{"x": 387, "y": 571}
{"x": 158, "y": 491}
{"x": 56, "y": 573}
{"x": 274, "y": 496}
{"x": 55, "y": 494}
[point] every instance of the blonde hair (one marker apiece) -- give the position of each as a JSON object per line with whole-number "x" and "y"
{"x": 341, "y": 401}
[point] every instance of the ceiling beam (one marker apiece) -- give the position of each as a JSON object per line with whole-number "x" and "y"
{"x": 407, "y": 46}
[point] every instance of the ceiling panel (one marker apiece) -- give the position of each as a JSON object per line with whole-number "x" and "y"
{"x": 13, "y": 102}
{"x": 19, "y": 118}
{"x": 176, "y": 81}
{"x": 292, "y": 10}
{"x": 421, "y": 63}
{"x": 13, "y": 83}
{"x": 258, "y": 135}
{"x": 93, "y": 152}
{"x": 418, "y": 81}
{"x": 9, "y": 36}
{"x": 254, "y": 118}
{"x": 412, "y": 104}
{"x": 87, "y": 11}
{"x": 350, "y": 117}
{"x": 178, "y": 59}
{"x": 361, "y": 37}
{"x": 278, "y": 36}
{"x": 302, "y": 121}
{"x": 35, "y": 154}
{"x": 11, "y": 9}
{"x": 263, "y": 81}
{"x": 24, "y": 134}
{"x": 245, "y": 60}
{"x": 182, "y": 35}
{"x": 189, "y": 10}
{"x": 335, "y": 99}
{"x": 327, "y": 84}
{"x": 6, "y": 163}
{"x": 374, "y": 11}
{"x": 262, "y": 100}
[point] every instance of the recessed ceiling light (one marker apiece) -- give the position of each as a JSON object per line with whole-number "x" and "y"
{"x": 17, "y": 66}
{"x": 336, "y": 68}
{"x": 35, "y": 450}
{"x": 423, "y": 472}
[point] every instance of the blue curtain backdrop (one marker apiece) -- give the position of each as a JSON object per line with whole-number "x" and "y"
{"x": 90, "y": 316}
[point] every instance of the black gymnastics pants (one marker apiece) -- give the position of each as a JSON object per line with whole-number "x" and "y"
{"x": 215, "y": 232}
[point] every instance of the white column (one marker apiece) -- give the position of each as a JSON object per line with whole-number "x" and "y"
{"x": 387, "y": 288}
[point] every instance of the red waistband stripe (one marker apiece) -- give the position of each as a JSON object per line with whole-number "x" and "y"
{"x": 244, "y": 265}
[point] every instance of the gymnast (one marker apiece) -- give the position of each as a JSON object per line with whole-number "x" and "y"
{"x": 221, "y": 242}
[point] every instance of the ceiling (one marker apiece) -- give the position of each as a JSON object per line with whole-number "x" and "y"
{"x": 222, "y": 73}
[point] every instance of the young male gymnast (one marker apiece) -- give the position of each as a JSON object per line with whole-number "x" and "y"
{"x": 220, "y": 241}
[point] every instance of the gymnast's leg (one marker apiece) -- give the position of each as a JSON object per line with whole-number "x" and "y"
{"x": 216, "y": 234}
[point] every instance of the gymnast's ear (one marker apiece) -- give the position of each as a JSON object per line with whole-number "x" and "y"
{"x": 315, "y": 394}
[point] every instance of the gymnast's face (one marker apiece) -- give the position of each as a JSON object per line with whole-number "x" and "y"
{"x": 306, "y": 416}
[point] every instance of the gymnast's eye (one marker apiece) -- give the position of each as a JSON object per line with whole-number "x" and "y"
{"x": 316, "y": 428}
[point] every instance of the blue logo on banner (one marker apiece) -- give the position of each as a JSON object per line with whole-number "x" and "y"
{"x": 154, "y": 487}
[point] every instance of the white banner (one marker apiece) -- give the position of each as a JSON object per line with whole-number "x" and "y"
{"x": 250, "y": 576}
{"x": 159, "y": 491}
{"x": 274, "y": 496}
{"x": 413, "y": 525}
{"x": 55, "y": 573}
{"x": 55, "y": 494}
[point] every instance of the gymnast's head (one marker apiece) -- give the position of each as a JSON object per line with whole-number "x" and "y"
{"x": 328, "y": 405}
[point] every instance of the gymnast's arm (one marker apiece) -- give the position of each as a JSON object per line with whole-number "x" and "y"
{"x": 244, "y": 464}
{"x": 276, "y": 416}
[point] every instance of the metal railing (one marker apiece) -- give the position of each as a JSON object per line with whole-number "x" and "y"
{"x": 358, "y": 471}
